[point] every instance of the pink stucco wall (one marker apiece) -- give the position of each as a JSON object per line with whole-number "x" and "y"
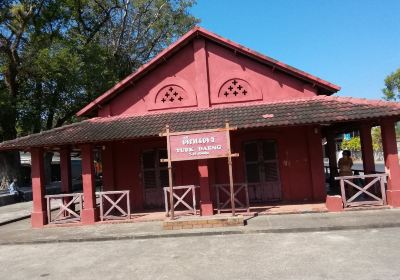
{"x": 294, "y": 154}
{"x": 201, "y": 72}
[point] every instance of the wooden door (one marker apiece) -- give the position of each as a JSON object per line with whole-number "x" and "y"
{"x": 155, "y": 177}
{"x": 262, "y": 171}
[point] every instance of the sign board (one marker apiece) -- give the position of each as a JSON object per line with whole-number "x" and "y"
{"x": 201, "y": 145}
{"x": 198, "y": 144}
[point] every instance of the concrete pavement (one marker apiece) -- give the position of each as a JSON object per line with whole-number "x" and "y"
{"x": 18, "y": 211}
{"x": 337, "y": 255}
{"x": 15, "y": 212}
{"x": 21, "y": 232}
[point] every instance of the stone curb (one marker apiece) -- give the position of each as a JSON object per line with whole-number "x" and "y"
{"x": 204, "y": 233}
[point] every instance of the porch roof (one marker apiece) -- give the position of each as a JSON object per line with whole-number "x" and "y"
{"x": 304, "y": 111}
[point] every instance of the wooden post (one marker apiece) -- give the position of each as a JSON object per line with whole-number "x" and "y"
{"x": 383, "y": 191}
{"x": 230, "y": 170}
{"x": 171, "y": 189}
{"x": 128, "y": 205}
{"x": 343, "y": 191}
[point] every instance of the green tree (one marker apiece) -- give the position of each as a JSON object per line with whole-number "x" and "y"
{"x": 57, "y": 55}
{"x": 376, "y": 139}
{"x": 392, "y": 86}
{"x": 15, "y": 21}
{"x": 353, "y": 144}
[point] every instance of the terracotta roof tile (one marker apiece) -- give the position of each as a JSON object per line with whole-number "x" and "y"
{"x": 306, "y": 111}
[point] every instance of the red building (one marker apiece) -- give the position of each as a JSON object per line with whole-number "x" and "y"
{"x": 200, "y": 82}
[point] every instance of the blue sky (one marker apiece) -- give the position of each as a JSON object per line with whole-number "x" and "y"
{"x": 354, "y": 44}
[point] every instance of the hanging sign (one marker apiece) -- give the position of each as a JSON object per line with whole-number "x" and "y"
{"x": 198, "y": 144}
{"x": 202, "y": 145}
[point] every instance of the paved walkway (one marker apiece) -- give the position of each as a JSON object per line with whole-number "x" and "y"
{"x": 14, "y": 212}
{"x": 335, "y": 255}
{"x": 18, "y": 211}
{"x": 21, "y": 232}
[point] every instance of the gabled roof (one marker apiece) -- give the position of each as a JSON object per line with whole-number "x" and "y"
{"x": 305, "y": 111}
{"x": 326, "y": 87}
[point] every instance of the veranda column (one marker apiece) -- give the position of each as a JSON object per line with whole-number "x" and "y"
{"x": 39, "y": 212}
{"x": 89, "y": 213}
{"x": 316, "y": 163}
{"x": 367, "y": 149}
{"x": 391, "y": 162}
{"x": 206, "y": 207}
{"x": 65, "y": 171}
{"x": 65, "y": 166}
{"x": 108, "y": 167}
{"x": 331, "y": 151}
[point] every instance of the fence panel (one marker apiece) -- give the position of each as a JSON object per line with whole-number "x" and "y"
{"x": 66, "y": 212}
{"x": 180, "y": 198}
{"x": 223, "y": 197}
{"x": 349, "y": 184}
{"x": 116, "y": 209}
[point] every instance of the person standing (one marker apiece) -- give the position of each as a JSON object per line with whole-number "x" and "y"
{"x": 345, "y": 164}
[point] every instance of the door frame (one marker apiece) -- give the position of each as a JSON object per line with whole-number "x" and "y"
{"x": 259, "y": 141}
{"x": 157, "y": 169}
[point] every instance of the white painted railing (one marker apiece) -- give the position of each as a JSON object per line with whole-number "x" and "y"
{"x": 349, "y": 184}
{"x": 180, "y": 198}
{"x": 117, "y": 210}
{"x": 224, "y": 204}
{"x": 65, "y": 209}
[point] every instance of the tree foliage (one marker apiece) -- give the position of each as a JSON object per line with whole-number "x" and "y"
{"x": 376, "y": 139}
{"x": 392, "y": 86}
{"x": 353, "y": 144}
{"x": 57, "y": 55}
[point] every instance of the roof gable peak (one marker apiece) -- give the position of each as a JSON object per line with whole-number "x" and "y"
{"x": 195, "y": 32}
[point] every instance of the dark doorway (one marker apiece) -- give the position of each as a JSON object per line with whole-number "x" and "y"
{"x": 262, "y": 171}
{"x": 155, "y": 177}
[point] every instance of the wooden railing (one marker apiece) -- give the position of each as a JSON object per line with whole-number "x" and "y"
{"x": 180, "y": 198}
{"x": 116, "y": 209}
{"x": 65, "y": 211}
{"x": 241, "y": 197}
{"x": 355, "y": 171}
{"x": 350, "y": 183}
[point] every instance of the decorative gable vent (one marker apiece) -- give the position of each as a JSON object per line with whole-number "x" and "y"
{"x": 171, "y": 94}
{"x": 235, "y": 89}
